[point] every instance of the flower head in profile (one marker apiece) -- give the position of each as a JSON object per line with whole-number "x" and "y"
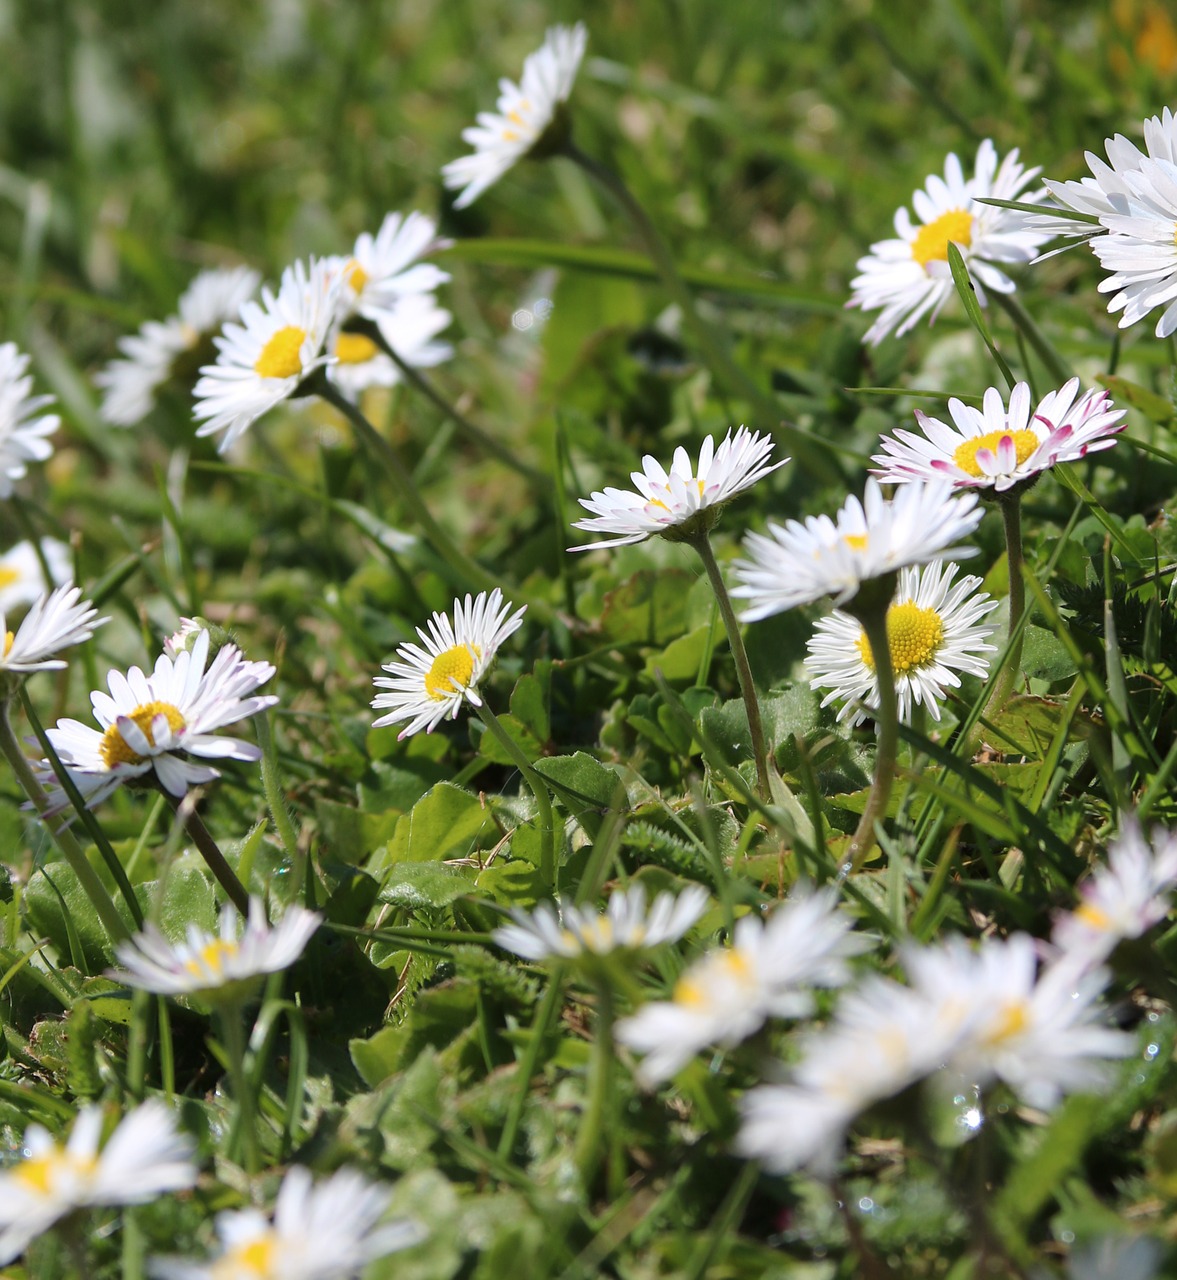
{"x": 727, "y": 993}
{"x": 219, "y": 966}
{"x": 23, "y": 425}
{"x": 386, "y": 267}
{"x": 433, "y": 679}
{"x": 800, "y": 562}
{"x": 410, "y": 327}
{"x": 909, "y": 277}
{"x": 22, "y": 573}
{"x": 1122, "y": 899}
{"x": 144, "y": 1157}
{"x": 997, "y": 447}
{"x": 528, "y": 121}
{"x": 328, "y": 1230}
{"x": 936, "y": 630}
{"x": 155, "y": 724}
{"x": 153, "y": 355}
{"x": 55, "y": 622}
{"x": 262, "y": 361}
{"x": 663, "y": 502}
{"x": 574, "y": 932}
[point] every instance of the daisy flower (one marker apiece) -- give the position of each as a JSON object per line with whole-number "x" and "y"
{"x": 410, "y": 327}
{"x": 328, "y": 1230}
{"x": 221, "y": 965}
{"x": 385, "y": 268}
{"x": 664, "y": 501}
{"x": 998, "y": 448}
{"x": 428, "y": 684}
{"x": 1123, "y": 899}
{"x": 144, "y": 1158}
{"x": 909, "y": 277}
{"x": 580, "y": 931}
{"x": 797, "y": 563}
{"x": 151, "y": 356}
{"x": 727, "y": 994}
{"x": 155, "y": 724}
{"x": 935, "y": 631}
{"x": 262, "y": 360}
{"x": 22, "y": 576}
{"x": 529, "y": 116}
{"x": 55, "y": 622}
{"x": 23, "y": 427}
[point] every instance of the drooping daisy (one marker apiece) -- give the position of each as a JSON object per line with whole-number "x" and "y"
{"x": 156, "y": 723}
{"x": 728, "y": 993}
{"x": 23, "y": 427}
{"x": 428, "y": 684}
{"x": 909, "y": 277}
{"x": 22, "y": 575}
{"x": 151, "y": 356}
{"x": 220, "y": 966}
{"x": 410, "y": 327}
{"x": 797, "y": 563}
{"x": 262, "y": 360}
{"x": 998, "y": 448}
{"x": 145, "y": 1157}
{"x": 1123, "y": 899}
{"x": 385, "y": 268}
{"x": 624, "y": 926}
{"x": 528, "y": 121}
{"x": 665, "y": 501}
{"x": 328, "y": 1230}
{"x": 55, "y": 622}
{"x": 936, "y": 630}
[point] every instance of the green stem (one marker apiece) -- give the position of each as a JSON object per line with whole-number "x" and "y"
{"x": 276, "y": 801}
{"x": 530, "y": 1060}
{"x": 1056, "y": 366}
{"x": 88, "y": 878}
{"x": 232, "y": 1030}
{"x": 874, "y": 623}
{"x": 713, "y": 347}
{"x": 594, "y": 1125}
{"x": 185, "y": 808}
{"x": 702, "y": 545}
{"x": 1011, "y": 519}
{"x": 543, "y": 803}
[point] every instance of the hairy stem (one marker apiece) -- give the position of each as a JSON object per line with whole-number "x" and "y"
{"x": 874, "y": 623}
{"x": 185, "y": 807}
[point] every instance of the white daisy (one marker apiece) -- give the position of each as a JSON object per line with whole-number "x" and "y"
{"x": 410, "y": 327}
{"x": 325, "y": 1231}
{"x": 995, "y": 447}
{"x": 665, "y": 500}
{"x": 728, "y": 993}
{"x": 624, "y": 926}
{"x": 528, "y": 114}
{"x": 1123, "y": 899}
{"x": 150, "y": 356}
{"x": 430, "y": 683}
{"x": 797, "y": 563}
{"x": 935, "y": 631}
{"x": 385, "y": 268}
{"x": 23, "y": 427}
{"x": 220, "y": 965}
{"x": 144, "y": 1158}
{"x": 276, "y": 346}
{"x": 55, "y": 622}
{"x": 1043, "y": 1034}
{"x": 155, "y": 723}
{"x": 909, "y": 277}
{"x": 22, "y": 576}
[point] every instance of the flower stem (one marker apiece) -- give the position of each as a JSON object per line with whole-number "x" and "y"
{"x": 874, "y": 623}
{"x": 1056, "y": 366}
{"x": 233, "y": 1034}
{"x": 88, "y": 878}
{"x": 547, "y": 849}
{"x": 1011, "y": 519}
{"x": 593, "y": 1122}
{"x": 276, "y": 801}
{"x": 702, "y": 545}
{"x": 185, "y": 807}
{"x": 713, "y": 347}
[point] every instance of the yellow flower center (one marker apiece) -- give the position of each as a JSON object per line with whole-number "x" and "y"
{"x": 451, "y": 671}
{"x": 114, "y": 748}
{"x": 357, "y": 277}
{"x": 931, "y": 242}
{"x": 280, "y": 356}
{"x": 41, "y": 1174}
{"x": 354, "y": 348}
{"x": 856, "y": 541}
{"x": 965, "y": 457}
{"x": 255, "y": 1258}
{"x": 8, "y": 576}
{"x": 914, "y": 636}
{"x": 1092, "y": 915}
{"x": 597, "y": 935}
{"x": 698, "y": 993}
{"x": 213, "y": 957}
{"x": 1011, "y": 1021}
{"x": 9, "y": 637}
